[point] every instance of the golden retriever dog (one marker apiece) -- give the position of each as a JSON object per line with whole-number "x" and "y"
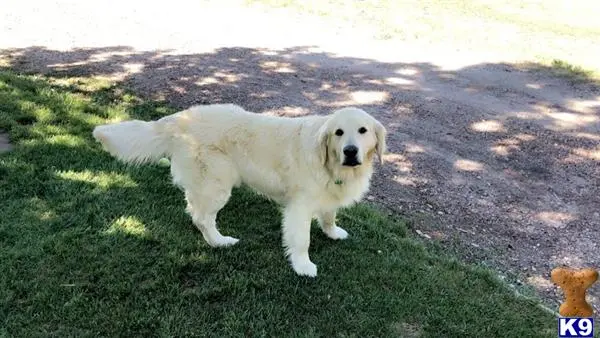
{"x": 310, "y": 165}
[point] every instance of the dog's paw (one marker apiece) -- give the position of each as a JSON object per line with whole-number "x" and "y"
{"x": 303, "y": 266}
{"x": 308, "y": 269}
{"x": 223, "y": 241}
{"x": 337, "y": 233}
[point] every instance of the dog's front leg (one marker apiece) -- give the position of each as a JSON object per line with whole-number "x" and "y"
{"x": 327, "y": 223}
{"x": 296, "y": 238}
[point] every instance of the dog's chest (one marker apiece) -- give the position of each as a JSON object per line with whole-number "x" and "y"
{"x": 341, "y": 194}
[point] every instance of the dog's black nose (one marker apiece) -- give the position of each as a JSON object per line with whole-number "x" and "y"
{"x": 350, "y": 151}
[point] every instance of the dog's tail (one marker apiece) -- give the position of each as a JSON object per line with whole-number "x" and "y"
{"x": 135, "y": 141}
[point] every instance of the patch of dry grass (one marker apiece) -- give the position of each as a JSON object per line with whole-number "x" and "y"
{"x": 552, "y": 32}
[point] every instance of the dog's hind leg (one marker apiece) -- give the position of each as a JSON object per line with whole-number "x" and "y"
{"x": 327, "y": 223}
{"x": 206, "y": 192}
{"x": 204, "y": 208}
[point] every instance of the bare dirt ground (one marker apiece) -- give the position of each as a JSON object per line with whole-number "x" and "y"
{"x": 498, "y": 163}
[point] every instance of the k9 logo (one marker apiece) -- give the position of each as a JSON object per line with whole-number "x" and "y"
{"x": 575, "y": 327}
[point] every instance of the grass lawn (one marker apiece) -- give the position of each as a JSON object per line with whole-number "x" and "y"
{"x": 92, "y": 247}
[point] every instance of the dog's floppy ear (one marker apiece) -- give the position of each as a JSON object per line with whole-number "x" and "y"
{"x": 381, "y": 134}
{"x": 322, "y": 143}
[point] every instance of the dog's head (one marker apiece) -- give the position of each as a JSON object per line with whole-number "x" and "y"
{"x": 351, "y": 137}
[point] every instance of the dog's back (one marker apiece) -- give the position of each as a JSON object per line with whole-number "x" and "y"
{"x": 270, "y": 154}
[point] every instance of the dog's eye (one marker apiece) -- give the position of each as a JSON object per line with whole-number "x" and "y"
{"x": 339, "y": 132}
{"x": 362, "y": 130}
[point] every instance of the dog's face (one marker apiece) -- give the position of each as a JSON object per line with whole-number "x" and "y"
{"x": 351, "y": 137}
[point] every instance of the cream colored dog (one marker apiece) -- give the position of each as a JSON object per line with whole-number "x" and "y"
{"x": 311, "y": 165}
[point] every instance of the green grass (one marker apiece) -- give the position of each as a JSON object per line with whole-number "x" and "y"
{"x": 92, "y": 247}
{"x": 576, "y": 74}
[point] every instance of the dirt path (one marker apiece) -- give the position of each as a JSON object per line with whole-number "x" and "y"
{"x": 496, "y": 162}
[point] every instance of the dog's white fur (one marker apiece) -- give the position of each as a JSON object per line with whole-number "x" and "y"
{"x": 297, "y": 162}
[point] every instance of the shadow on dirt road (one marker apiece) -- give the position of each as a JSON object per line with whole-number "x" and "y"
{"x": 498, "y": 162}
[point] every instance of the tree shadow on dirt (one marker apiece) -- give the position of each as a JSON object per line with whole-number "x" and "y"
{"x": 503, "y": 158}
